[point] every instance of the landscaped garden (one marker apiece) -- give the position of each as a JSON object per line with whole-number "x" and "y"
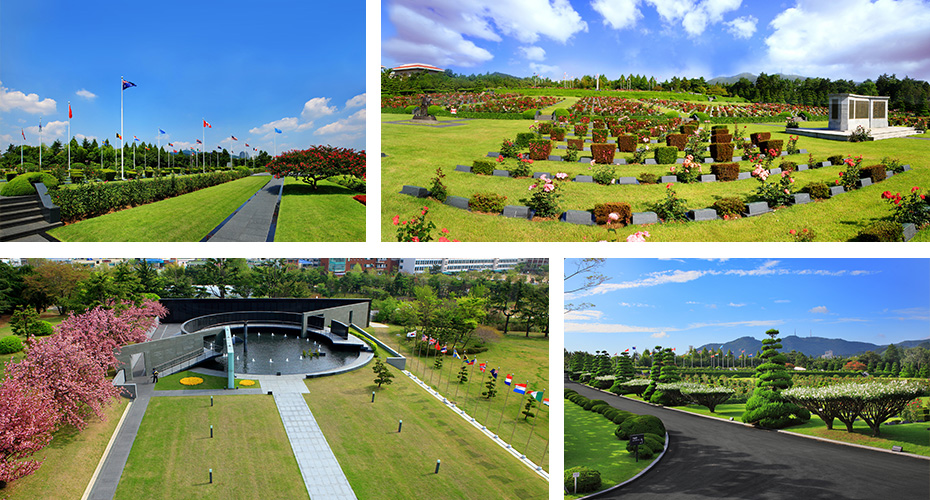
{"x": 625, "y": 164}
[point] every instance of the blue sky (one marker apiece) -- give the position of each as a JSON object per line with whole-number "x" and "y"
{"x": 853, "y": 39}
{"x": 245, "y": 67}
{"x": 677, "y": 303}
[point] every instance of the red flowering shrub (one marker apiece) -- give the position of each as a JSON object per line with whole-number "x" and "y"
{"x": 359, "y": 198}
{"x": 603, "y": 153}
{"x": 758, "y": 137}
{"x": 599, "y": 135}
{"x": 318, "y": 162}
{"x": 540, "y": 149}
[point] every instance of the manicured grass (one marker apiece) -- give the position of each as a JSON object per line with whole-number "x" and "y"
{"x": 413, "y": 158}
{"x": 249, "y": 453}
{"x": 590, "y": 441}
{"x": 326, "y": 214}
{"x": 187, "y": 217}
{"x": 382, "y": 463}
{"x": 526, "y": 358}
{"x": 69, "y": 460}
{"x": 173, "y": 382}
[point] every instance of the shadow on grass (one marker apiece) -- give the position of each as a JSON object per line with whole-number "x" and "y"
{"x": 321, "y": 190}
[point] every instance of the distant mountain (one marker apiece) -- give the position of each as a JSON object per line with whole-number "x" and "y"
{"x": 812, "y": 346}
{"x": 729, "y": 80}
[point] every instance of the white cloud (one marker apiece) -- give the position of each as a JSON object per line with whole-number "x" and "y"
{"x": 890, "y": 36}
{"x": 583, "y": 315}
{"x": 747, "y": 324}
{"x": 351, "y": 125}
{"x": 618, "y": 14}
{"x": 782, "y": 301}
{"x": 30, "y": 103}
{"x": 317, "y": 107}
{"x": 819, "y": 310}
{"x": 544, "y": 69}
{"x": 532, "y": 53}
{"x": 694, "y": 16}
{"x": 731, "y": 304}
{"x": 50, "y": 131}
{"x": 435, "y": 32}
{"x": 742, "y": 27}
{"x": 86, "y": 94}
{"x": 653, "y": 279}
{"x": 609, "y": 328}
{"x": 356, "y": 101}
{"x": 659, "y": 335}
{"x": 284, "y": 124}
{"x": 635, "y": 304}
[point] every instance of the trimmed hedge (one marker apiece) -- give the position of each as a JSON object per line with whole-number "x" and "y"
{"x": 97, "y": 198}
{"x": 722, "y": 152}
{"x": 665, "y": 155}
{"x": 544, "y": 128}
{"x": 599, "y": 135}
{"x": 721, "y": 138}
{"x": 10, "y": 344}
{"x": 626, "y": 143}
{"x": 576, "y": 143}
{"x": 561, "y": 112}
{"x": 602, "y": 210}
{"x": 725, "y": 171}
{"x": 603, "y": 153}
{"x": 588, "y": 479}
{"x": 874, "y": 172}
{"x": 640, "y": 424}
{"x": 487, "y": 202}
{"x": 756, "y": 137}
{"x": 883, "y": 231}
{"x": 729, "y": 206}
{"x": 776, "y": 144}
{"x": 557, "y": 134}
{"x": 581, "y": 129}
{"x": 529, "y": 114}
{"x": 22, "y": 185}
{"x": 818, "y": 190}
{"x": 677, "y": 140}
{"x": 523, "y": 139}
{"x": 483, "y": 167}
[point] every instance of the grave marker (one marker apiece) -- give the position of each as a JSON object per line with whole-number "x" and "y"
{"x": 702, "y": 214}
{"x": 415, "y": 191}
{"x": 640, "y": 218}
{"x": 757, "y": 208}
{"x": 457, "y": 202}
{"x": 518, "y": 212}
{"x": 582, "y": 217}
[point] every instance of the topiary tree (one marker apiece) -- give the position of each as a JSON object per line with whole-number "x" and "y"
{"x": 382, "y": 374}
{"x": 602, "y": 364}
{"x": 624, "y": 370}
{"x": 705, "y": 395}
{"x": 657, "y": 360}
{"x": 588, "y": 480}
{"x": 463, "y": 374}
{"x": 766, "y": 407}
{"x": 490, "y": 384}
{"x": 528, "y": 407}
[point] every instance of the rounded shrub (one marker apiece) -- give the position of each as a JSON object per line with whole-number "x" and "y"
{"x": 22, "y": 185}
{"x": 409, "y": 109}
{"x": 483, "y": 167}
{"x": 434, "y": 109}
{"x": 672, "y": 114}
{"x": 523, "y": 139}
{"x": 819, "y": 190}
{"x": 487, "y": 202}
{"x": 883, "y": 231}
{"x": 529, "y": 114}
{"x": 594, "y": 402}
{"x": 729, "y": 206}
{"x": 665, "y": 155}
{"x": 10, "y": 344}
{"x": 701, "y": 116}
{"x": 560, "y": 112}
{"x": 652, "y": 444}
{"x": 640, "y": 424}
{"x": 621, "y": 416}
{"x": 588, "y": 480}
{"x": 42, "y": 328}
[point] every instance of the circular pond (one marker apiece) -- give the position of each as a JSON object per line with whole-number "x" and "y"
{"x": 277, "y": 349}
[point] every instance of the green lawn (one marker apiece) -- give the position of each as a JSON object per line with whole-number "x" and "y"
{"x": 173, "y": 382}
{"x": 590, "y": 441}
{"x": 249, "y": 454}
{"x": 328, "y": 213}
{"x": 526, "y": 358}
{"x": 380, "y": 463}
{"x": 6, "y": 330}
{"x": 187, "y": 217}
{"x": 413, "y": 157}
{"x": 69, "y": 460}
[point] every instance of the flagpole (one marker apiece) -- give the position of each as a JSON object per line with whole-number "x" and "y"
{"x": 203, "y": 145}
{"x": 517, "y": 420}
{"x": 488, "y": 414}
{"x": 69, "y": 138}
{"x": 159, "y": 147}
{"x": 468, "y": 388}
{"x": 122, "y": 88}
{"x": 527, "y": 447}
{"x": 506, "y": 398}
{"x": 40, "y": 144}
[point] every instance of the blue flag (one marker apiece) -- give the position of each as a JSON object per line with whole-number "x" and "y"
{"x": 127, "y": 84}
{"x": 277, "y": 130}
{"x": 162, "y": 131}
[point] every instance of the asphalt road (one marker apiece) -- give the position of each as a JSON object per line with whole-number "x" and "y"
{"x": 709, "y": 458}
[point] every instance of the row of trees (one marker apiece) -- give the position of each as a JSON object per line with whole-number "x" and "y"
{"x": 906, "y": 94}
{"x": 62, "y": 381}
{"x": 105, "y": 155}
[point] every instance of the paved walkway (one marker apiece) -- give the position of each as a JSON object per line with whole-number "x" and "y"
{"x": 255, "y": 220}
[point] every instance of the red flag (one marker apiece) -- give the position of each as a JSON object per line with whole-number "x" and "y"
{"x": 482, "y": 366}
{"x": 207, "y": 125}
{"x": 234, "y": 138}
{"x": 247, "y": 145}
{"x": 24, "y": 133}
{"x": 69, "y": 111}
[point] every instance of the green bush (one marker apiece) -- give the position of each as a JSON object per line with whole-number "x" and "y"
{"x": 588, "y": 480}
{"x": 521, "y": 169}
{"x": 621, "y": 416}
{"x": 836, "y": 160}
{"x": 647, "y": 178}
{"x": 592, "y": 403}
{"x": 42, "y": 328}
{"x": 874, "y": 172}
{"x": 721, "y": 151}
{"x": 725, "y": 171}
{"x": 776, "y": 144}
{"x": 666, "y": 155}
{"x": 818, "y": 190}
{"x": 30, "y": 167}
{"x": 701, "y": 116}
{"x": 10, "y": 344}
{"x": 523, "y": 139}
{"x": 603, "y": 210}
{"x": 487, "y": 202}
{"x": 560, "y": 112}
{"x": 672, "y": 114}
{"x": 626, "y": 143}
{"x": 483, "y": 167}
{"x": 640, "y": 424}
{"x": 409, "y": 109}
{"x": 603, "y": 174}
{"x": 677, "y": 140}
{"x": 883, "y": 230}
{"x": 23, "y": 184}
{"x": 557, "y": 134}
{"x": 729, "y": 206}
{"x": 653, "y": 444}
{"x": 434, "y": 109}
{"x": 718, "y": 128}
{"x": 529, "y": 114}
{"x": 545, "y": 128}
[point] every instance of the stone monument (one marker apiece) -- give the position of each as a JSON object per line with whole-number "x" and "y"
{"x": 848, "y": 111}
{"x": 422, "y": 111}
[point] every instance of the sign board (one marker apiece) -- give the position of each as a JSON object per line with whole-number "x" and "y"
{"x": 637, "y": 439}
{"x": 576, "y": 475}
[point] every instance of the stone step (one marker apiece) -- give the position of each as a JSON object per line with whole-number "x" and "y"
{"x": 21, "y": 221}
{"x": 19, "y": 212}
{"x": 26, "y": 230}
{"x": 13, "y": 201}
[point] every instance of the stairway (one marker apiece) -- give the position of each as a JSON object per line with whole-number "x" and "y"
{"x": 21, "y": 219}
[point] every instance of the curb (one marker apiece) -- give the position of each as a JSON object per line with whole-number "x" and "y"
{"x": 103, "y": 458}
{"x": 634, "y": 478}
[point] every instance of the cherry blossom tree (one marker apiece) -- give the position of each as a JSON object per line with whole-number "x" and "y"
{"x": 26, "y": 425}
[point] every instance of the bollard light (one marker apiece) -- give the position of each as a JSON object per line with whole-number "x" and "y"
{"x": 211, "y": 476}
{"x": 437, "y": 466}
{"x": 211, "y": 400}
{"x": 372, "y": 396}
{"x": 211, "y": 431}
{"x": 399, "y": 425}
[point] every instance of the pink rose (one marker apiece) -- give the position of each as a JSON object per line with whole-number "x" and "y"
{"x": 396, "y": 219}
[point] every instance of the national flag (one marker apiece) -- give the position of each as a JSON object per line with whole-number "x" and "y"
{"x": 520, "y": 388}
{"x": 127, "y": 84}
{"x": 234, "y": 138}
{"x": 254, "y": 149}
{"x": 162, "y": 131}
{"x": 673, "y": 348}
{"x": 546, "y": 401}
{"x": 494, "y": 372}
{"x": 198, "y": 141}
{"x": 170, "y": 144}
{"x": 118, "y": 136}
{"x": 21, "y": 131}
{"x": 455, "y": 354}
{"x": 537, "y": 395}
{"x": 469, "y": 361}
{"x": 626, "y": 350}
{"x": 277, "y": 130}
{"x": 432, "y": 341}
{"x": 750, "y": 355}
{"x": 136, "y": 138}
{"x": 70, "y": 116}
{"x": 411, "y": 335}
{"x": 634, "y": 347}
{"x": 509, "y": 379}
{"x": 247, "y": 145}
{"x": 206, "y": 125}
{"x": 482, "y": 366}
{"x": 424, "y": 338}
{"x": 40, "y": 124}
{"x": 444, "y": 349}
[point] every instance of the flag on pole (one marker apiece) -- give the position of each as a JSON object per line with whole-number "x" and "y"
{"x": 206, "y": 125}
{"x": 626, "y": 350}
{"x": 546, "y": 401}
{"x": 494, "y": 372}
{"x": 24, "y": 133}
{"x": 119, "y": 136}
{"x": 171, "y": 144}
{"x": 234, "y": 138}
{"x": 40, "y": 124}
{"x": 509, "y": 379}
{"x": 520, "y": 388}
{"x": 444, "y": 349}
{"x": 247, "y": 145}
{"x": 482, "y": 366}
{"x": 136, "y": 138}
{"x": 455, "y": 354}
{"x": 198, "y": 141}
{"x": 423, "y": 338}
{"x": 469, "y": 361}
{"x": 277, "y": 130}
{"x": 127, "y": 84}
{"x": 70, "y": 115}
{"x": 537, "y": 395}
{"x": 162, "y": 131}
